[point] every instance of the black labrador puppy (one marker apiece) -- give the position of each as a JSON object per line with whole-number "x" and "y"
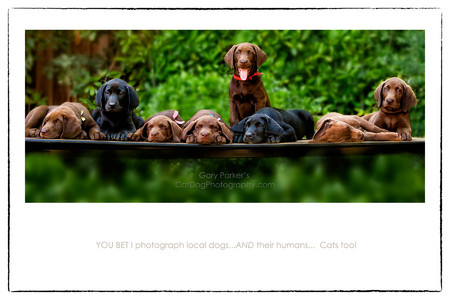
{"x": 272, "y": 125}
{"x": 116, "y": 100}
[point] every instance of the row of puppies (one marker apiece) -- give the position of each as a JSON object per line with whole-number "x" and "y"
{"x": 267, "y": 125}
{"x": 270, "y": 125}
{"x": 116, "y": 101}
{"x": 391, "y": 122}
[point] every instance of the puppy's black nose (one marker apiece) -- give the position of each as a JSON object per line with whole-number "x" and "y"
{"x": 112, "y": 104}
{"x": 205, "y": 133}
{"x": 389, "y": 100}
{"x": 249, "y": 134}
{"x": 243, "y": 60}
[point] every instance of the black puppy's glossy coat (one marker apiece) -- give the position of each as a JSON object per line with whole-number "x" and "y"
{"x": 116, "y": 100}
{"x": 272, "y": 125}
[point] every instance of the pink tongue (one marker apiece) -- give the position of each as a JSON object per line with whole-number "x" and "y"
{"x": 243, "y": 73}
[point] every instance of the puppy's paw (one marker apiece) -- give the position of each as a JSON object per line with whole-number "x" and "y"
{"x": 405, "y": 136}
{"x": 134, "y": 137}
{"x": 97, "y": 135}
{"x": 112, "y": 136}
{"x": 238, "y": 138}
{"x": 33, "y": 132}
{"x": 123, "y": 137}
{"x": 220, "y": 140}
{"x": 117, "y": 136}
{"x": 273, "y": 139}
{"x": 190, "y": 139}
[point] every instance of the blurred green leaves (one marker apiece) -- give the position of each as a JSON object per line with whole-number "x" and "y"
{"x": 305, "y": 179}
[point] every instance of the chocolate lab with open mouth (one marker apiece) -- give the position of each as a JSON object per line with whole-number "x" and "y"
{"x": 206, "y": 127}
{"x": 394, "y": 99}
{"x": 116, "y": 100}
{"x": 66, "y": 121}
{"x": 272, "y": 125}
{"x": 247, "y": 92}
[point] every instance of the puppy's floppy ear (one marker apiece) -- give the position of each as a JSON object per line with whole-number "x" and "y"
{"x": 71, "y": 127}
{"x": 99, "y": 98}
{"x": 239, "y": 127}
{"x": 144, "y": 131}
{"x": 322, "y": 129}
{"x": 176, "y": 131}
{"x": 133, "y": 100}
{"x": 226, "y": 131}
{"x": 409, "y": 98}
{"x": 272, "y": 127}
{"x": 261, "y": 56}
{"x": 378, "y": 94}
{"x": 188, "y": 129}
{"x": 229, "y": 57}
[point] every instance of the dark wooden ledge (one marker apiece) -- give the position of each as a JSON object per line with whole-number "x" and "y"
{"x": 182, "y": 150}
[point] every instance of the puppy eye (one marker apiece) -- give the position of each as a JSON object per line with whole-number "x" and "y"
{"x": 212, "y": 126}
{"x": 200, "y": 126}
{"x": 108, "y": 91}
{"x": 258, "y": 124}
{"x": 399, "y": 90}
{"x": 238, "y": 52}
{"x": 121, "y": 92}
{"x": 162, "y": 125}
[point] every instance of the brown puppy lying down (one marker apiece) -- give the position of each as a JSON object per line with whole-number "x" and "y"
{"x": 395, "y": 99}
{"x": 67, "y": 121}
{"x": 337, "y": 128}
{"x": 207, "y": 127}
{"x": 161, "y": 127}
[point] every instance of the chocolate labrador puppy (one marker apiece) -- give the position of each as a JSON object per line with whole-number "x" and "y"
{"x": 207, "y": 127}
{"x": 395, "y": 99}
{"x": 247, "y": 92}
{"x": 115, "y": 116}
{"x": 272, "y": 125}
{"x": 161, "y": 127}
{"x": 337, "y": 128}
{"x": 66, "y": 121}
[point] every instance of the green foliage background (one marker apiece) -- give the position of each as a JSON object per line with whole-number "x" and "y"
{"x": 319, "y": 71}
{"x": 316, "y": 70}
